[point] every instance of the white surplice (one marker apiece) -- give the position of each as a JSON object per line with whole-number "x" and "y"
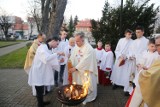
{"x": 120, "y": 74}
{"x": 107, "y": 60}
{"x": 84, "y": 59}
{"x": 99, "y": 54}
{"x": 68, "y": 51}
{"x": 61, "y": 47}
{"x": 148, "y": 58}
{"x": 44, "y": 63}
{"x": 138, "y": 46}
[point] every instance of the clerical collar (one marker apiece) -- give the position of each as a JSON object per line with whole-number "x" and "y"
{"x": 70, "y": 47}
{"x": 63, "y": 40}
{"x": 140, "y": 37}
{"x": 99, "y": 48}
{"x": 127, "y": 38}
{"x": 108, "y": 50}
{"x": 49, "y": 46}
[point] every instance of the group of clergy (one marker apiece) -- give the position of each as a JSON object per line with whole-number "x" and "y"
{"x": 46, "y": 64}
{"x": 132, "y": 58}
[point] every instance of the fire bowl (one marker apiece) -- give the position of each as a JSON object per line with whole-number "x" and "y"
{"x": 66, "y": 100}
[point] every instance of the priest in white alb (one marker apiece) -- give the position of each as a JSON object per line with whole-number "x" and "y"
{"x": 41, "y": 73}
{"x": 84, "y": 62}
{"x": 30, "y": 55}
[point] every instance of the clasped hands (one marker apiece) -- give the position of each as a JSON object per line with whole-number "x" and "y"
{"x": 71, "y": 70}
{"x": 61, "y": 53}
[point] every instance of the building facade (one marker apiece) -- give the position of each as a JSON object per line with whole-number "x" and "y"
{"x": 85, "y": 26}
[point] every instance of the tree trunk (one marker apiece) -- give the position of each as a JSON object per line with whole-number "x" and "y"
{"x": 45, "y": 16}
{"x": 56, "y": 17}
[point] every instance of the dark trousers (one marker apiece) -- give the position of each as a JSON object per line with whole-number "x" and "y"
{"x": 62, "y": 67}
{"x": 40, "y": 90}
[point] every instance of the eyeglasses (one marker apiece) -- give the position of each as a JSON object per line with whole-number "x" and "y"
{"x": 157, "y": 45}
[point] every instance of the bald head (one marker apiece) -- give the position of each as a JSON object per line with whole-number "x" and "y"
{"x": 79, "y": 38}
{"x": 72, "y": 41}
{"x": 41, "y": 37}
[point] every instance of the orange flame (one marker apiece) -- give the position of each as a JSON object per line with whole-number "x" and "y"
{"x": 73, "y": 93}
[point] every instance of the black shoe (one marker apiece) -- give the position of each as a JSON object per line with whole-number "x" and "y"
{"x": 126, "y": 94}
{"x": 46, "y": 92}
{"x": 133, "y": 84}
{"x": 114, "y": 86}
{"x": 46, "y": 102}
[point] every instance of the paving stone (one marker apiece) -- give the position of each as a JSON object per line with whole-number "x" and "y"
{"x": 15, "y": 92}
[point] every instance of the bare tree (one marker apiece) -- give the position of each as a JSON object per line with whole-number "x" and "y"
{"x": 51, "y": 16}
{"x": 5, "y": 23}
{"x": 30, "y": 20}
{"x": 35, "y": 12}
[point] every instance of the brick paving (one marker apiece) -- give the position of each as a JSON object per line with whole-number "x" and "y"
{"x": 15, "y": 92}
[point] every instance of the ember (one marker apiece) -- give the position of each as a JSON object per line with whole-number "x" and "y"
{"x": 71, "y": 94}
{"x": 74, "y": 92}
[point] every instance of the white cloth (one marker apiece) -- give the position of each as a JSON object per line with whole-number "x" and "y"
{"x": 67, "y": 53}
{"x": 147, "y": 60}
{"x": 84, "y": 59}
{"x": 34, "y": 93}
{"x": 120, "y": 74}
{"x": 99, "y": 54}
{"x": 45, "y": 62}
{"x": 61, "y": 47}
{"x": 107, "y": 60}
{"x": 138, "y": 46}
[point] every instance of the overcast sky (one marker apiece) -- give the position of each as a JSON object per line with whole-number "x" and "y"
{"x": 82, "y": 8}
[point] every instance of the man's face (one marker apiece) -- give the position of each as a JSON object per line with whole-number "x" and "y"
{"x": 139, "y": 33}
{"x": 107, "y": 47}
{"x": 64, "y": 35}
{"x": 99, "y": 44}
{"x": 72, "y": 43}
{"x": 79, "y": 41}
{"x": 152, "y": 47}
{"x": 158, "y": 45}
{"x": 54, "y": 43}
{"x": 128, "y": 35}
{"x": 42, "y": 38}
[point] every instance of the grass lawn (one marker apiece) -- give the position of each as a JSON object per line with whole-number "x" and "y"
{"x": 14, "y": 59}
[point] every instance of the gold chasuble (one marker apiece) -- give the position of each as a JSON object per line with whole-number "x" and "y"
{"x": 30, "y": 55}
{"x": 149, "y": 81}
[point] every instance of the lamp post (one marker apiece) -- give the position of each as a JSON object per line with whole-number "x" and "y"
{"x": 121, "y": 12}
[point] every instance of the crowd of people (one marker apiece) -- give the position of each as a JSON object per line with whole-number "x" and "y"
{"x": 135, "y": 66}
{"x": 135, "y": 69}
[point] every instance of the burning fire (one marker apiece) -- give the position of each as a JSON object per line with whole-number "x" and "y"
{"x": 77, "y": 92}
